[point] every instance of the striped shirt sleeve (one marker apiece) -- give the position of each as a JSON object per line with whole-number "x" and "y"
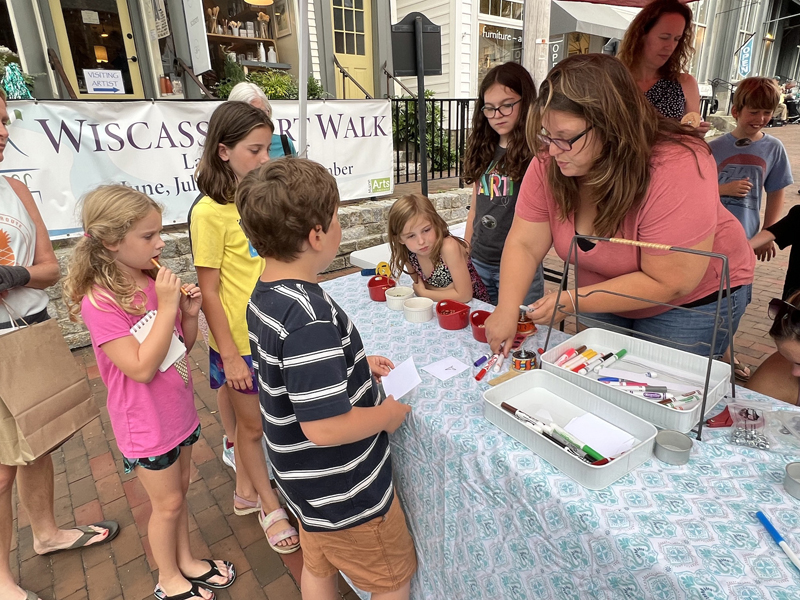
{"x": 315, "y": 372}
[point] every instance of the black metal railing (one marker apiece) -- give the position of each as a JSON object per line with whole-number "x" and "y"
{"x": 447, "y": 123}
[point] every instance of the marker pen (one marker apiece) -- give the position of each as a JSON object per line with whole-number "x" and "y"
{"x": 614, "y": 381}
{"x": 606, "y": 358}
{"x": 586, "y": 354}
{"x": 662, "y": 389}
{"x": 482, "y": 360}
{"x": 499, "y": 363}
{"x": 615, "y": 358}
{"x": 651, "y": 395}
{"x": 568, "y": 355}
{"x": 482, "y": 373}
{"x": 569, "y": 438}
{"x": 592, "y": 363}
{"x": 581, "y": 364}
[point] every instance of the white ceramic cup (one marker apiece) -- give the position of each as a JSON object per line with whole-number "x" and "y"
{"x": 397, "y": 295}
{"x": 418, "y": 310}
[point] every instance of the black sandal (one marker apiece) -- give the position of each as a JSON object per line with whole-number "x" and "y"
{"x": 214, "y": 572}
{"x": 192, "y": 593}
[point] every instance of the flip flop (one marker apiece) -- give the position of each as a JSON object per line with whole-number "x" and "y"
{"x": 194, "y": 592}
{"x": 203, "y": 580}
{"x": 740, "y": 371}
{"x": 88, "y": 534}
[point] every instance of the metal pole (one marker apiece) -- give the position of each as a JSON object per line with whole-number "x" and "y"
{"x": 302, "y": 58}
{"x": 421, "y": 108}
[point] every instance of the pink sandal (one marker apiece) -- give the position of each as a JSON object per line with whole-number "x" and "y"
{"x": 250, "y": 506}
{"x": 267, "y": 521}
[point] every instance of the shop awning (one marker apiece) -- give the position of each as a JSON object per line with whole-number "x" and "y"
{"x": 594, "y": 19}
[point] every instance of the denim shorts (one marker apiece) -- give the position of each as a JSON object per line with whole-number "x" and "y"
{"x": 681, "y": 329}
{"x": 216, "y": 372}
{"x": 490, "y": 274}
{"x": 162, "y": 461}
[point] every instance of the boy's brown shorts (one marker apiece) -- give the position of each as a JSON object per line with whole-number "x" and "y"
{"x": 377, "y": 556}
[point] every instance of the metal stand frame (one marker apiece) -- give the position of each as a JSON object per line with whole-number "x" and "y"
{"x": 724, "y": 284}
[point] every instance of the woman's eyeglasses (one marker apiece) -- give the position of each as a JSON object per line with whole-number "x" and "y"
{"x": 503, "y": 109}
{"x": 780, "y": 309}
{"x": 565, "y": 145}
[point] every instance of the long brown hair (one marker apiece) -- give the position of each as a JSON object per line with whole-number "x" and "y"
{"x": 403, "y": 210}
{"x": 630, "y": 51}
{"x": 599, "y": 89}
{"x": 107, "y": 214}
{"x": 483, "y": 140}
{"x": 230, "y": 123}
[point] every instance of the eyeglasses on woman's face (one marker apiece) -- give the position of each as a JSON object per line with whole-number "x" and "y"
{"x": 504, "y": 109}
{"x": 565, "y": 145}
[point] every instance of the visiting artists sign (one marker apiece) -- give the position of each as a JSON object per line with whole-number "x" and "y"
{"x": 61, "y": 150}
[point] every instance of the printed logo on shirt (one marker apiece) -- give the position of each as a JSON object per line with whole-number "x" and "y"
{"x": 7, "y": 257}
{"x": 253, "y": 252}
{"x": 743, "y": 166}
{"x": 498, "y": 188}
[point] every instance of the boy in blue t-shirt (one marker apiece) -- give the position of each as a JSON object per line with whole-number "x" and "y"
{"x": 325, "y": 423}
{"x": 748, "y": 160}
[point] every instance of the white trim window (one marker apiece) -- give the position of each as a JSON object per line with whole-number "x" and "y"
{"x": 700, "y": 27}
{"x": 505, "y": 9}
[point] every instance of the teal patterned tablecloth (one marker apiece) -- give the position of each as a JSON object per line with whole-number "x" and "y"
{"x": 490, "y": 519}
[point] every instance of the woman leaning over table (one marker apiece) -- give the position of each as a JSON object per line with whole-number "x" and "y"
{"x": 656, "y": 49}
{"x": 608, "y": 166}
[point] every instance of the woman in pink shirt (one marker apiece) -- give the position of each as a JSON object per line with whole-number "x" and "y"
{"x": 610, "y": 167}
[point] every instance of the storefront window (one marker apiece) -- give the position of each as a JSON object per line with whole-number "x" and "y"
{"x": 700, "y": 10}
{"x": 509, "y": 9}
{"x": 162, "y": 48}
{"x": 578, "y": 44}
{"x": 497, "y": 45}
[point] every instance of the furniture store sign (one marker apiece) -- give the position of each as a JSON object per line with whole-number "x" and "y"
{"x": 62, "y": 150}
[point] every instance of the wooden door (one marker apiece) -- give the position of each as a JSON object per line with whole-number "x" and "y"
{"x": 352, "y": 45}
{"x": 96, "y": 47}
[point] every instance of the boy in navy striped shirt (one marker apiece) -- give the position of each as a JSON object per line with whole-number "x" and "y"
{"x": 325, "y": 424}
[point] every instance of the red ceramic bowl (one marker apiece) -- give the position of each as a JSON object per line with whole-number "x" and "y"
{"x": 377, "y": 287}
{"x": 452, "y": 314}
{"x": 477, "y": 319}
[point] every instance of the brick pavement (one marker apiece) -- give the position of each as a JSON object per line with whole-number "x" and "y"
{"x": 91, "y": 486}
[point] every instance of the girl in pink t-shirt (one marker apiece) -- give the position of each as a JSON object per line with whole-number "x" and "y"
{"x": 610, "y": 167}
{"x": 113, "y": 285}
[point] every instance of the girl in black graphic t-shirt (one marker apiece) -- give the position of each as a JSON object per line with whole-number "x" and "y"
{"x": 496, "y": 159}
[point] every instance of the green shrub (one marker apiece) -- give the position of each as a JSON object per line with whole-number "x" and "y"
{"x": 405, "y": 130}
{"x": 276, "y": 84}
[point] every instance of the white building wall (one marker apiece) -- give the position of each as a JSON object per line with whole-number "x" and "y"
{"x": 313, "y": 42}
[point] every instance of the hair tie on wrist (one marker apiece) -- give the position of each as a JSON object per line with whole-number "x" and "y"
{"x": 87, "y": 234}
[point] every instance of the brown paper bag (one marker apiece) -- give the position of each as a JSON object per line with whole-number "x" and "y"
{"x": 44, "y": 397}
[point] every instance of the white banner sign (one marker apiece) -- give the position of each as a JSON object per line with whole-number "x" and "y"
{"x": 62, "y": 150}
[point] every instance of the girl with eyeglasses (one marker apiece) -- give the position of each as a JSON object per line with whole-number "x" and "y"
{"x": 778, "y": 375}
{"x": 606, "y": 168}
{"x": 496, "y": 159}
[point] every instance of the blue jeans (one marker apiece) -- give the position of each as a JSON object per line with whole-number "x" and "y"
{"x": 490, "y": 274}
{"x": 688, "y": 331}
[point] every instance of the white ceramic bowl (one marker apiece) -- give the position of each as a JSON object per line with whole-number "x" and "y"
{"x": 397, "y": 295}
{"x": 418, "y": 310}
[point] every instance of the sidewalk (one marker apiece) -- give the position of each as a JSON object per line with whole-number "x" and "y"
{"x": 90, "y": 485}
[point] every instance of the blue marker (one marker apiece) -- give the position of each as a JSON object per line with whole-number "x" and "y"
{"x": 481, "y": 360}
{"x": 778, "y": 539}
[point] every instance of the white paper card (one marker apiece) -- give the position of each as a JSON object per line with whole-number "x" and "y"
{"x": 446, "y": 368}
{"x": 607, "y": 439}
{"x": 402, "y": 379}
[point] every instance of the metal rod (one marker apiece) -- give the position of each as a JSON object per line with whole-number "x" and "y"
{"x": 194, "y": 77}
{"x": 55, "y": 64}
{"x": 421, "y": 108}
